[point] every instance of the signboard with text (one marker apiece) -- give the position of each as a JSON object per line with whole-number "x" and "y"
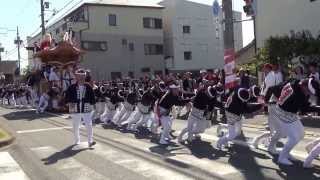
{"x": 229, "y": 68}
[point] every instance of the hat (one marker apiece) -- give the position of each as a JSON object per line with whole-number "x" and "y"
{"x": 243, "y": 94}
{"x": 255, "y": 91}
{"x": 203, "y": 71}
{"x": 80, "y": 72}
{"x": 267, "y": 65}
{"x": 162, "y": 86}
{"x": 212, "y": 91}
{"x": 174, "y": 86}
{"x": 313, "y": 86}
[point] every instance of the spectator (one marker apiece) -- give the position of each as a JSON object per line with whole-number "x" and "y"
{"x": 244, "y": 79}
{"x": 298, "y": 73}
{"x": 313, "y": 71}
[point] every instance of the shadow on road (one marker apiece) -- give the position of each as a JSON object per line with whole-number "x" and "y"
{"x": 203, "y": 149}
{"x": 297, "y": 172}
{"x": 27, "y": 115}
{"x": 63, "y": 154}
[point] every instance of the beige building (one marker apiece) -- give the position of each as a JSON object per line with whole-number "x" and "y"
{"x": 120, "y": 38}
{"x": 8, "y": 69}
{"x": 193, "y": 37}
{"x": 279, "y": 17}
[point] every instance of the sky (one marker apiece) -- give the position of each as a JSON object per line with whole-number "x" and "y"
{"x": 26, "y": 15}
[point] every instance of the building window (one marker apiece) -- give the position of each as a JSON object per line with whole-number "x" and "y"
{"x": 112, "y": 20}
{"x": 153, "y": 49}
{"x": 94, "y": 45}
{"x": 187, "y": 55}
{"x": 152, "y": 23}
{"x": 186, "y": 29}
{"x": 64, "y": 27}
{"x": 145, "y": 70}
{"x": 78, "y": 16}
{"x": 131, "y": 46}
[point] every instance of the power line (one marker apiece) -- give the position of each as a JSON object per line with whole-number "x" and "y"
{"x": 53, "y": 16}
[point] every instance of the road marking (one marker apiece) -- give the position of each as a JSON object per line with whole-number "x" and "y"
{"x": 68, "y": 166}
{"x": 220, "y": 167}
{"x": 137, "y": 165}
{"x": 10, "y": 169}
{"x": 42, "y": 130}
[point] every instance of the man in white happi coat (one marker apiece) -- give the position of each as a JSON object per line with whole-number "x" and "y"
{"x": 80, "y": 98}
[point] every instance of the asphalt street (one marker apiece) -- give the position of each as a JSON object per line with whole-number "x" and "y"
{"x": 43, "y": 151}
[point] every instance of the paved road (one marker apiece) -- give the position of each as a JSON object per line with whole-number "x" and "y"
{"x": 43, "y": 150}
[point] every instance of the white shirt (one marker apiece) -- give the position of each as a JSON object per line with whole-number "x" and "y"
{"x": 278, "y": 77}
{"x": 269, "y": 81}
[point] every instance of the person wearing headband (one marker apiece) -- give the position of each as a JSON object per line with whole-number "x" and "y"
{"x": 80, "y": 98}
{"x": 165, "y": 105}
{"x": 236, "y": 106}
{"x": 294, "y": 98}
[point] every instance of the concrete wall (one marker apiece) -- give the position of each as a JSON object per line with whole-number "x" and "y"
{"x": 118, "y": 58}
{"x": 278, "y": 17}
{"x": 207, "y": 49}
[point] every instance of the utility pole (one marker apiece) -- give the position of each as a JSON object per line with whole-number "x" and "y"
{"x": 43, "y": 28}
{"x": 18, "y": 42}
{"x": 229, "y": 32}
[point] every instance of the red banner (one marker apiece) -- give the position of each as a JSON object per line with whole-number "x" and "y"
{"x": 229, "y": 68}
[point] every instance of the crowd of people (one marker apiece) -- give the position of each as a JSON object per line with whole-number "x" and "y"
{"x": 148, "y": 105}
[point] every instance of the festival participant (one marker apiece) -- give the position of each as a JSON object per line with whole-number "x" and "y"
{"x": 165, "y": 105}
{"x": 43, "y": 103}
{"x": 271, "y": 97}
{"x": 128, "y": 107}
{"x": 313, "y": 149}
{"x": 294, "y": 98}
{"x": 98, "y": 90}
{"x": 113, "y": 101}
{"x": 203, "y": 103}
{"x": 236, "y": 106}
{"x": 80, "y": 98}
{"x": 143, "y": 112}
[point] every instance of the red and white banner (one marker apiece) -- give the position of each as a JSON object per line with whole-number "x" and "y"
{"x": 229, "y": 68}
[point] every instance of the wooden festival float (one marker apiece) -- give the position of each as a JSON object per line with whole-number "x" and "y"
{"x": 61, "y": 58}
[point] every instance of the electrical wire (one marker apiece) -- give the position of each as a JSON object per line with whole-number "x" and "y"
{"x": 57, "y": 12}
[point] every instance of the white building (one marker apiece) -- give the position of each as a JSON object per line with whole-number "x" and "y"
{"x": 279, "y": 17}
{"x": 120, "y": 37}
{"x": 190, "y": 38}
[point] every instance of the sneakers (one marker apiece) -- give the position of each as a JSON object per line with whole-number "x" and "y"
{"x": 92, "y": 144}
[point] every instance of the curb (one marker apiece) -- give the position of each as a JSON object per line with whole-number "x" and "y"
{"x": 8, "y": 139}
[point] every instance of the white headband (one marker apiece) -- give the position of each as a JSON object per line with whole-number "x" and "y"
{"x": 173, "y": 86}
{"x": 253, "y": 92}
{"x": 242, "y": 99}
{"x": 310, "y": 87}
{"x": 209, "y": 92}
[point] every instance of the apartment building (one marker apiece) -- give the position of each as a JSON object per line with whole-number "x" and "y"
{"x": 277, "y": 18}
{"x": 120, "y": 38}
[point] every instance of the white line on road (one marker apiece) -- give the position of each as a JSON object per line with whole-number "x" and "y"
{"x": 10, "y": 169}
{"x": 41, "y": 130}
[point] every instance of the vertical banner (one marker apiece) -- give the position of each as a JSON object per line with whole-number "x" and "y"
{"x": 229, "y": 68}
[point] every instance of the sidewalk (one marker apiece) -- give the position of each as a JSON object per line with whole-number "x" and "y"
{"x": 5, "y": 138}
